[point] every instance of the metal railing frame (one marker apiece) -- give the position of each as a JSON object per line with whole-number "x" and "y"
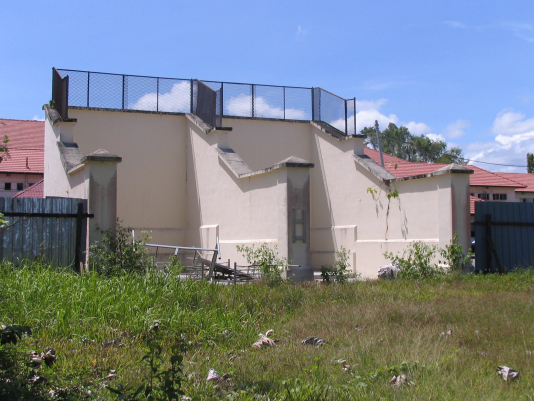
{"x": 315, "y": 99}
{"x": 195, "y": 249}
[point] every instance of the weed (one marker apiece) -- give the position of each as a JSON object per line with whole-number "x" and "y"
{"x": 160, "y": 383}
{"x": 119, "y": 252}
{"x": 419, "y": 260}
{"x": 416, "y": 262}
{"x": 454, "y": 255}
{"x": 339, "y": 270}
{"x": 265, "y": 258}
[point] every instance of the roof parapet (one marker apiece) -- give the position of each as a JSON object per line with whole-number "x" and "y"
{"x": 241, "y": 170}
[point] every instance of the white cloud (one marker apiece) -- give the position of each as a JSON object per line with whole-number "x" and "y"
{"x": 37, "y": 118}
{"x": 456, "y": 129}
{"x": 369, "y": 110}
{"x": 366, "y": 118}
{"x": 241, "y": 105}
{"x": 514, "y": 138}
{"x": 511, "y": 123}
{"x": 177, "y": 100}
{"x": 418, "y": 128}
{"x": 521, "y": 30}
{"x": 435, "y": 137}
{"x": 301, "y": 33}
{"x": 455, "y": 24}
{"x": 363, "y": 105}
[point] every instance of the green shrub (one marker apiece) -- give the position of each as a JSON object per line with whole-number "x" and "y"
{"x": 454, "y": 255}
{"x": 265, "y": 258}
{"x": 417, "y": 262}
{"x": 338, "y": 271}
{"x": 420, "y": 260}
{"x": 119, "y": 252}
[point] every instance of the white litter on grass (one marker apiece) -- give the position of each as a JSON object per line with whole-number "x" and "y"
{"x": 448, "y": 333}
{"x": 112, "y": 374}
{"x": 388, "y": 271}
{"x": 264, "y": 340}
{"x": 213, "y": 375}
{"x": 317, "y": 341}
{"x": 508, "y": 374}
{"x": 346, "y": 366}
{"x": 401, "y": 380}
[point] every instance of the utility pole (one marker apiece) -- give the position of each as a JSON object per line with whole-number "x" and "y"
{"x": 379, "y": 144}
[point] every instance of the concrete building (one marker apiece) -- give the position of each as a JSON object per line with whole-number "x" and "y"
{"x": 270, "y": 167}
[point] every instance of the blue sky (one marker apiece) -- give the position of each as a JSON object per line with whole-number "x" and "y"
{"x": 458, "y": 70}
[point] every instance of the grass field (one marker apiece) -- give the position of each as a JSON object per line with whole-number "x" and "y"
{"x": 380, "y": 328}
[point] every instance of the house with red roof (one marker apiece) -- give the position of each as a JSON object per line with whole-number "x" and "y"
{"x": 23, "y": 166}
{"x": 525, "y": 193}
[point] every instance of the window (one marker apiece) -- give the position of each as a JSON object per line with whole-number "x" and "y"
{"x": 31, "y": 183}
{"x": 20, "y": 186}
{"x": 483, "y": 196}
{"x": 500, "y": 196}
{"x": 7, "y": 186}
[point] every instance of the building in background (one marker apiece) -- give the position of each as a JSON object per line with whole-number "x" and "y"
{"x": 23, "y": 166}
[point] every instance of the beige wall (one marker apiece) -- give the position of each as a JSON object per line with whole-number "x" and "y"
{"x": 172, "y": 181}
{"x": 347, "y": 212}
{"x": 152, "y": 176}
{"x": 263, "y": 143}
{"x": 241, "y": 211}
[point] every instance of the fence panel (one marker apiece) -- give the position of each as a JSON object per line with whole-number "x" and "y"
{"x": 143, "y": 93}
{"x": 43, "y": 228}
{"x": 510, "y": 243}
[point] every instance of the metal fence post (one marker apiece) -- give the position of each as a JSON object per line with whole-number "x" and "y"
{"x": 354, "y": 116}
{"x": 346, "y": 127}
{"x": 313, "y": 103}
{"x": 191, "y": 93}
{"x": 78, "y": 251}
{"x": 88, "y": 78}
{"x": 222, "y": 101}
{"x": 284, "y": 102}
{"x": 157, "y": 95}
{"x": 123, "y": 78}
{"x": 252, "y": 100}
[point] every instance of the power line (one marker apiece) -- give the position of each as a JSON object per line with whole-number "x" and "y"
{"x": 466, "y": 160}
{"x": 496, "y": 164}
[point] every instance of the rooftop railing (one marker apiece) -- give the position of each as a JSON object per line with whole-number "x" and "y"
{"x": 210, "y": 100}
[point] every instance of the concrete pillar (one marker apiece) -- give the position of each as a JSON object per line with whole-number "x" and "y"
{"x": 453, "y": 190}
{"x": 294, "y": 219}
{"x": 100, "y": 170}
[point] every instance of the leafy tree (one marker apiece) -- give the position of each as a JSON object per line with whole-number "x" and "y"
{"x": 530, "y": 163}
{"x": 399, "y": 142}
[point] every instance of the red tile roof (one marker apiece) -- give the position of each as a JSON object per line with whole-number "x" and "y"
{"x": 35, "y": 191}
{"x": 402, "y": 168}
{"x": 484, "y": 178}
{"x": 26, "y": 146}
{"x": 522, "y": 178}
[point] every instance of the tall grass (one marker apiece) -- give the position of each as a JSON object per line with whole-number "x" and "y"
{"x": 379, "y": 327}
